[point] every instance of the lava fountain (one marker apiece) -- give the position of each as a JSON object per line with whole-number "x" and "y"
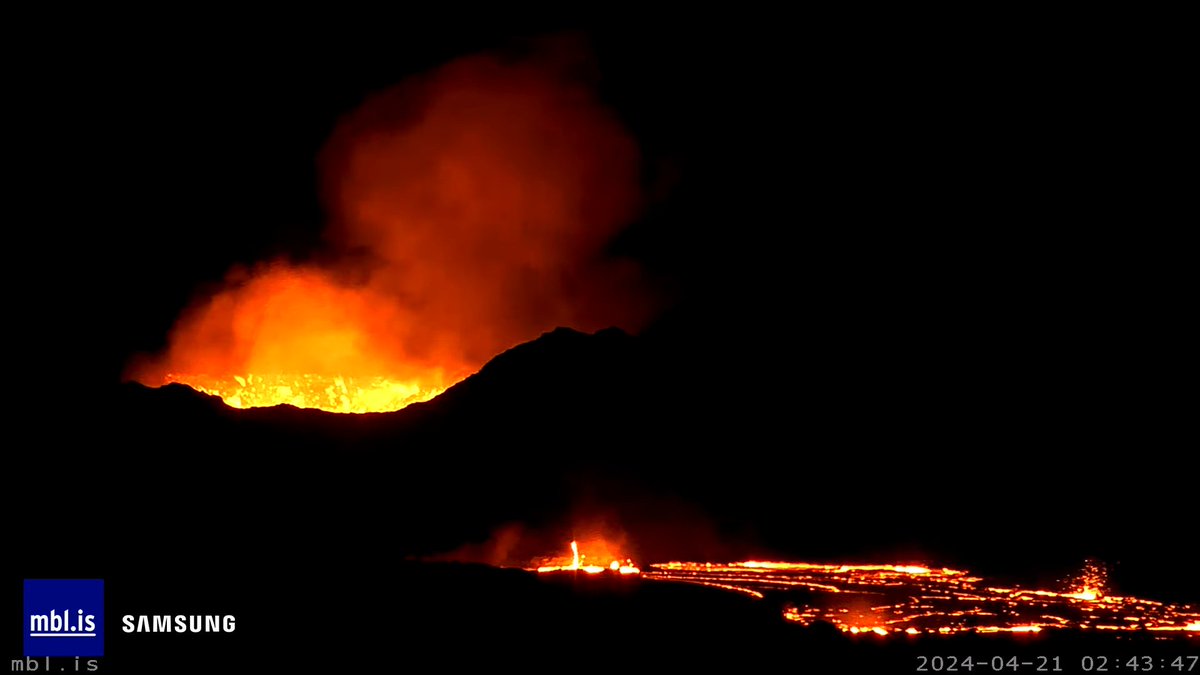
{"x": 469, "y": 211}
{"x": 600, "y": 559}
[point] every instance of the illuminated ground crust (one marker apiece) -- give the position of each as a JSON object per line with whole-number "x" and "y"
{"x": 909, "y": 599}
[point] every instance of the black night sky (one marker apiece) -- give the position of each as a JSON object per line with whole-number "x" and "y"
{"x": 929, "y": 269}
{"x": 899, "y": 185}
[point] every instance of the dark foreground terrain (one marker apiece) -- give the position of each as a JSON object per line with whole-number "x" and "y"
{"x": 305, "y": 524}
{"x": 388, "y": 616}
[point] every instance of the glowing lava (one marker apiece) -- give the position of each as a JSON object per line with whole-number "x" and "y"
{"x": 332, "y": 393}
{"x": 912, "y": 599}
{"x": 470, "y": 210}
{"x": 578, "y": 562}
{"x": 1090, "y": 583}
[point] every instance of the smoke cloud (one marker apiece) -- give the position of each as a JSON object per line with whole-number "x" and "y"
{"x": 469, "y": 210}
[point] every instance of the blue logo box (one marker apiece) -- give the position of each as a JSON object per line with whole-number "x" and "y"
{"x": 64, "y": 617}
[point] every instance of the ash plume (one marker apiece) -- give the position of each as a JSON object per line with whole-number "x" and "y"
{"x": 469, "y": 210}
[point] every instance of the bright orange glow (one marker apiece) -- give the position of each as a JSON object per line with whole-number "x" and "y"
{"x": 454, "y": 234}
{"x": 335, "y": 394}
{"x": 1090, "y": 583}
{"x": 915, "y": 599}
{"x": 600, "y": 549}
{"x": 292, "y": 336}
{"x": 901, "y": 569}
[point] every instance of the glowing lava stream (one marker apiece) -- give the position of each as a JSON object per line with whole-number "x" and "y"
{"x": 914, "y": 599}
{"x": 576, "y": 565}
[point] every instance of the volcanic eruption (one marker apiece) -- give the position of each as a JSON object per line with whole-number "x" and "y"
{"x": 470, "y": 209}
{"x": 602, "y": 558}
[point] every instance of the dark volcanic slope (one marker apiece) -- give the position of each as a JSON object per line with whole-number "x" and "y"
{"x": 692, "y": 460}
{"x": 494, "y": 447}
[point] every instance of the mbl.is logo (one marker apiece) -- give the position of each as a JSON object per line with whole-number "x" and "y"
{"x": 64, "y": 617}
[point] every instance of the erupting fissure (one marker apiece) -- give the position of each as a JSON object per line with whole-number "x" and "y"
{"x": 579, "y": 563}
{"x": 470, "y": 210}
{"x": 333, "y": 393}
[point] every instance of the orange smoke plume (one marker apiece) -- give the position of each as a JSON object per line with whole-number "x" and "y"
{"x": 469, "y": 211}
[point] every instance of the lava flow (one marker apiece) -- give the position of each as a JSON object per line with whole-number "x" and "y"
{"x": 913, "y": 599}
{"x": 578, "y": 562}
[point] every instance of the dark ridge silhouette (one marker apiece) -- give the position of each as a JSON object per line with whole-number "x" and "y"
{"x": 286, "y": 512}
{"x": 283, "y": 512}
{"x": 632, "y": 425}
